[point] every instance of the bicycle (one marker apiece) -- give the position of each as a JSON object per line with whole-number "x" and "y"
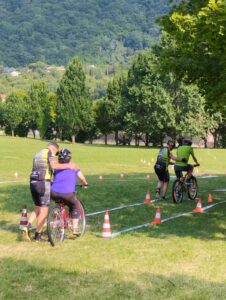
{"x": 59, "y": 221}
{"x": 185, "y": 185}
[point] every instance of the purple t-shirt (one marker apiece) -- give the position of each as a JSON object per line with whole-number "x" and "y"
{"x": 64, "y": 181}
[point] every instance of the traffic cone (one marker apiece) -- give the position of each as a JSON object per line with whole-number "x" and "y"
{"x": 210, "y": 198}
{"x": 23, "y": 220}
{"x": 16, "y": 175}
{"x": 157, "y": 219}
{"x": 198, "y": 206}
{"x": 122, "y": 176}
{"x": 147, "y": 198}
{"x": 106, "y": 231}
{"x": 101, "y": 178}
{"x": 148, "y": 177}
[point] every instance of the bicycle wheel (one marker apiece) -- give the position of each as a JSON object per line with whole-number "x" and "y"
{"x": 55, "y": 226}
{"x": 82, "y": 218}
{"x": 177, "y": 191}
{"x": 192, "y": 188}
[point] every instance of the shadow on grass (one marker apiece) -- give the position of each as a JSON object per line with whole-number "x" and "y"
{"x": 21, "y": 280}
{"x": 113, "y": 192}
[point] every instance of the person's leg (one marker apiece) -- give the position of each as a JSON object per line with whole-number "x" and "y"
{"x": 165, "y": 184}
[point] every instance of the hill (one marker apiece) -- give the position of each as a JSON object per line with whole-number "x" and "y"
{"x": 100, "y": 31}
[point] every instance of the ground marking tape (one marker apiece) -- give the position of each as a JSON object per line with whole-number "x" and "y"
{"x": 164, "y": 220}
{"x": 117, "y": 208}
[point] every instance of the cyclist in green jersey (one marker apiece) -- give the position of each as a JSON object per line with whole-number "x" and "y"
{"x": 185, "y": 150}
{"x": 161, "y": 168}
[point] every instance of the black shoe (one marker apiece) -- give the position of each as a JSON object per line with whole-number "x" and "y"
{"x": 38, "y": 236}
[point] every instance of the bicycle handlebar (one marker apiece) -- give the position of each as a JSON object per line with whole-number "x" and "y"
{"x": 82, "y": 186}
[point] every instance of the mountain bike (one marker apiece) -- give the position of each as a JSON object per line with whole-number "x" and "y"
{"x": 59, "y": 221}
{"x": 185, "y": 185}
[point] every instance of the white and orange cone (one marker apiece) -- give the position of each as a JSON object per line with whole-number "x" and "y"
{"x": 23, "y": 220}
{"x": 210, "y": 198}
{"x": 147, "y": 198}
{"x": 122, "y": 176}
{"x": 106, "y": 231}
{"x": 101, "y": 178}
{"x": 198, "y": 206}
{"x": 157, "y": 219}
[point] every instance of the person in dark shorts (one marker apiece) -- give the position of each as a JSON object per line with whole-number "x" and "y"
{"x": 161, "y": 168}
{"x": 44, "y": 163}
{"x": 64, "y": 186}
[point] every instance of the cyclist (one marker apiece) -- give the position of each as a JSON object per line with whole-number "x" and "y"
{"x": 64, "y": 185}
{"x": 40, "y": 179}
{"x": 184, "y": 150}
{"x": 161, "y": 168}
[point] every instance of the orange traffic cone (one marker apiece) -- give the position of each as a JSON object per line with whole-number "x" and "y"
{"x": 106, "y": 231}
{"x": 101, "y": 178}
{"x": 199, "y": 206}
{"x": 122, "y": 176}
{"x": 157, "y": 219}
{"x": 147, "y": 198}
{"x": 23, "y": 220}
{"x": 210, "y": 198}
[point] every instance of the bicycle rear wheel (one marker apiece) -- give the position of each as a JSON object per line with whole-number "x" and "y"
{"x": 177, "y": 191}
{"x": 55, "y": 226}
{"x": 192, "y": 188}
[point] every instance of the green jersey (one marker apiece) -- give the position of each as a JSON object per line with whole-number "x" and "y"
{"x": 184, "y": 152}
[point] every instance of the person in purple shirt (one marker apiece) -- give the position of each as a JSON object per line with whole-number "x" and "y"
{"x": 64, "y": 185}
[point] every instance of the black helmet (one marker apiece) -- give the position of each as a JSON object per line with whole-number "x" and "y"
{"x": 64, "y": 156}
{"x": 187, "y": 141}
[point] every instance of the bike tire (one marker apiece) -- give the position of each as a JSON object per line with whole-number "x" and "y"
{"x": 192, "y": 188}
{"x": 55, "y": 226}
{"x": 177, "y": 191}
{"x": 82, "y": 219}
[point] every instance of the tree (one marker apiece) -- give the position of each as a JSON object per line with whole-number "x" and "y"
{"x": 74, "y": 110}
{"x": 39, "y": 108}
{"x": 14, "y": 109}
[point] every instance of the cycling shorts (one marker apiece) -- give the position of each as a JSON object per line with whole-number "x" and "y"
{"x": 162, "y": 173}
{"x": 70, "y": 200}
{"x": 179, "y": 169}
{"x": 40, "y": 192}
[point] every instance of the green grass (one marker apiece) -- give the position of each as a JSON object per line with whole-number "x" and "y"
{"x": 180, "y": 259}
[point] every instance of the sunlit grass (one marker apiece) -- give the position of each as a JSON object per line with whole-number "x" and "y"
{"x": 180, "y": 259}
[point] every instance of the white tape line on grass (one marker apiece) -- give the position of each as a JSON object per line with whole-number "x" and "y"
{"x": 117, "y": 208}
{"x": 164, "y": 220}
{"x": 12, "y": 181}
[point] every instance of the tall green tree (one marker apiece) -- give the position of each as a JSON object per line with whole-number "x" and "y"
{"x": 13, "y": 111}
{"x": 74, "y": 106}
{"x": 39, "y": 108}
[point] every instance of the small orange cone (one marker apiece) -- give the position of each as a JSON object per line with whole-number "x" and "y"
{"x": 106, "y": 231}
{"x": 147, "y": 198}
{"x": 157, "y": 219}
{"x": 101, "y": 178}
{"x": 148, "y": 177}
{"x": 16, "y": 175}
{"x": 210, "y": 198}
{"x": 122, "y": 176}
{"x": 23, "y": 220}
{"x": 199, "y": 206}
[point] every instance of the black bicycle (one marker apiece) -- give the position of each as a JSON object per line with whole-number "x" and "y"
{"x": 185, "y": 185}
{"x": 59, "y": 222}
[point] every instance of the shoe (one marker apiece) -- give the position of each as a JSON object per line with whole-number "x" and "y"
{"x": 76, "y": 232}
{"x": 25, "y": 234}
{"x": 38, "y": 236}
{"x": 157, "y": 195}
{"x": 164, "y": 198}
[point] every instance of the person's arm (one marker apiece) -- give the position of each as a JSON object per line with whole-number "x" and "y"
{"x": 82, "y": 178}
{"x": 194, "y": 158}
{"x": 54, "y": 165}
{"x": 176, "y": 158}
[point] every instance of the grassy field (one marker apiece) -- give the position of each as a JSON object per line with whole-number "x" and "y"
{"x": 180, "y": 259}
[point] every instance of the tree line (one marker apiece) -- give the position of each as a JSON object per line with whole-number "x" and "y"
{"x": 175, "y": 88}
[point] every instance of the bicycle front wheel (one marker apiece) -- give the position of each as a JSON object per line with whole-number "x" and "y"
{"x": 192, "y": 188}
{"x": 55, "y": 226}
{"x": 82, "y": 219}
{"x": 177, "y": 191}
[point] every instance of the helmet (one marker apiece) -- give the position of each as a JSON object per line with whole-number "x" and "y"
{"x": 64, "y": 156}
{"x": 187, "y": 141}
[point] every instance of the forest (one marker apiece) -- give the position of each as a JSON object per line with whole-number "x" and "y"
{"x": 99, "y": 31}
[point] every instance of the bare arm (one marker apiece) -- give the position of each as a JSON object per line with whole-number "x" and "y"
{"x": 57, "y": 166}
{"x": 194, "y": 158}
{"x": 82, "y": 178}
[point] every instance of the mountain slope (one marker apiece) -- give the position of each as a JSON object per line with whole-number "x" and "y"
{"x": 55, "y": 30}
